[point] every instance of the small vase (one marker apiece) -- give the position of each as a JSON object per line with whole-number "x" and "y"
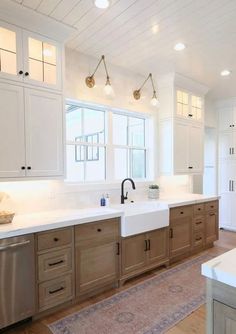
{"x": 153, "y": 193}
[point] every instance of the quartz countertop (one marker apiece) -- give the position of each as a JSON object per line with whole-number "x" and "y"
{"x": 43, "y": 221}
{"x": 222, "y": 268}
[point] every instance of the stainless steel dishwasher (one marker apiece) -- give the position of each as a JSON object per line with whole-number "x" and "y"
{"x": 17, "y": 279}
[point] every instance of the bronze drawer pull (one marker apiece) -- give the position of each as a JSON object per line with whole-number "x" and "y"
{"x": 146, "y": 246}
{"x": 149, "y": 244}
{"x": 57, "y": 290}
{"x": 99, "y": 230}
{"x": 171, "y": 233}
{"x": 198, "y": 223}
{"x": 199, "y": 209}
{"x": 212, "y": 214}
{"x": 212, "y": 206}
{"x": 118, "y": 248}
{"x": 181, "y": 212}
{"x": 56, "y": 239}
{"x": 55, "y": 263}
{"x": 198, "y": 239}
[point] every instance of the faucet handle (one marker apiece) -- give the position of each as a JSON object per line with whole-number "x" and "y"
{"x": 126, "y": 195}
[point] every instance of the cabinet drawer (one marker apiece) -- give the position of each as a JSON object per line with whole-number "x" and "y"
{"x": 99, "y": 231}
{"x": 211, "y": 206}
{"x": 199, "y": 223}
{"x": 182, "y": 211}
{"x": 198, "y": 209}
{"x": 55, "y": 292}
{"x": 55, "y": 238}
{"x": 53, "y": 264}
{"x": 198, "y": 239}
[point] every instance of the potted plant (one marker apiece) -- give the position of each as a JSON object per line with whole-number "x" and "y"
{"x": 153, "y": 191}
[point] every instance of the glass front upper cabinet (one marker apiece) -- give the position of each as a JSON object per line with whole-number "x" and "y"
{"x": 29, "y": 57}
{"x": 189, "y": 105}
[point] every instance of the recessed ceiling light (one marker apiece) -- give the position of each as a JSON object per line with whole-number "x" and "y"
{"x": 155, "y": 28}
{"x": 179, "y": 47}
{"x": 225, "y": 73}
{"x": 103, "y": 4}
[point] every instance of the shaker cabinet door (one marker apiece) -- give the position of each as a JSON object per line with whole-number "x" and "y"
{"x": 12, "y": 145}
{"x": 44, "y": 136}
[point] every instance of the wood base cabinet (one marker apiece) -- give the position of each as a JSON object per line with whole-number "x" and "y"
{"x": 143, "y": 252}
{"x": 97, "y": 253}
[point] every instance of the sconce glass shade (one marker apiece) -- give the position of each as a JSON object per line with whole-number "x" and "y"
{"x": 154, "y": 101}
{"x": 108, "y": 90}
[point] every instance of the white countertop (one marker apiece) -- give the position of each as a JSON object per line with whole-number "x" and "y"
{"x": 42, "y": 221}
{"x": 222, "y": 268}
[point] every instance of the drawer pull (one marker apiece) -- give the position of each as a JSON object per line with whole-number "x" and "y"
{"x": 55, "y": 263}
{"x": 198, "y": 223}
{"x": 171, "y": 233}
{"x": 198, "y": 239}
{"x": 181, "y": 212}
{"x": 118, "y": 248}
{"x": 212, "y": 214}
{"x": 199, "y": 209}
{"x": 57, "y": 290}
{"x": 212, "y": 206}
{"x": 146, "y": 246}
{"x": 56, "y": 239}
{"x": 149, "y": 244}
{"x": 99, "y": 230}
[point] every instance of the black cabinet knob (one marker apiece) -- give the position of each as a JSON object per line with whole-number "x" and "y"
{"x": 56, "y": 239}
{"x": 190, "y": 115}
{"x": 190, "y": 167}
{"x": 26, "y": 74}
{"x": 23, "y": 167}
{"x": 99, "y": 230}
{"x": 28, "y": 167}
{"x": 20, "y": 72}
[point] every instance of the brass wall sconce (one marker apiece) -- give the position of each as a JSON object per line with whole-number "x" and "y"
{"x": 137, "y": 93}
{"x": 90, "y": 80}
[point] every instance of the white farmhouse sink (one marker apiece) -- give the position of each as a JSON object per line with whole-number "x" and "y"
{"x": 141, "y": 217}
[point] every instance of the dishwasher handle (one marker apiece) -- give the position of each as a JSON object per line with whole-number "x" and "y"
{"x": 18, "y": 244}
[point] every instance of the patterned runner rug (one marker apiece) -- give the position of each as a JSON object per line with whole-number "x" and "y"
{"x": 150, "y": 307}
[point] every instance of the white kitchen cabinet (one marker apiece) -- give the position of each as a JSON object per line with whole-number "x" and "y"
{"x": 12, "y": 142}
{"x": 31, "y": 124}
{"x": 29, "y": 57}
{"x": 182, "y": 152}
{"x": 227, "y": 145}
{"x": 43, "y": 129}
{"x": 189, "y": 105}
{"x": 227, "y": 118}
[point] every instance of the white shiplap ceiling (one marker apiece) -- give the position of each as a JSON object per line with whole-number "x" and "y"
{"x": 123, "y": 32}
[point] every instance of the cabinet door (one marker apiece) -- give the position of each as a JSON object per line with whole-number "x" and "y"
{"x": 195, "y": 149}
{"x": 225, "y": 119}
{"x": 180, "y": 236}
{"x": 158, "y": 245}
{"x": 11, "y": 66}
{"x": 181, "y": 144}
{"x": 96, "y": 266}
{"x": 42, "y": 61}
{"x": 226, "y": 145}
{"x": 225, "y": 209}
{"x": 12, "y": 145}
{"x": 224, "y": 319}
{"x": 44, "y": 133}
{"x": 134, "y": 253}
{"x": 212, "y": 227}
{"x": 227, "y": 176}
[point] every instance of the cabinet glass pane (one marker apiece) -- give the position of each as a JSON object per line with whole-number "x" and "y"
{"x": 50, "y": 74}
{"x": 138, "y": 164}
{"x": 120, "y": 161}
{"x": 136, "y": 132}
{"x": 45, "y": 54}
{"x": 36, "y": 70}
{"x": 49, "y": 53}
{"x": 185, "y": 98}
{"x": 8, "y": 62}
{"x": 7, "y": 40}
{"x": 120, "y": 129}
{"x": 179, "y": 96}
{"x": 35, "y": 49}
{"x": 185, "y": 110}
{"x": 8, "y": 51}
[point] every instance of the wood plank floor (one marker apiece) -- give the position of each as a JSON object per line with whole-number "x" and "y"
{"x": 193, "y": 324}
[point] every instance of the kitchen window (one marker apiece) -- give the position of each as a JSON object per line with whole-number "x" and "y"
{"x": 104, "y": 145}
